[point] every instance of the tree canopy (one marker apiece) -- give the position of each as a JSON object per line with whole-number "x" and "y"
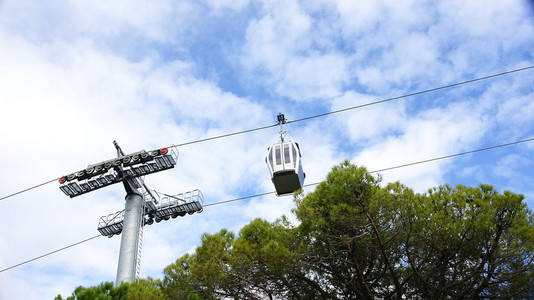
{"x": 140, "y": 290}
{"x": 105, "y": 291}
{"x": 358, "y": 238}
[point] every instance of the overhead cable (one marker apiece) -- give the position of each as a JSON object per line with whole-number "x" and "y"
{"x": 453, "y": 155}
{"x": 50, "y": 253}
{"x": 411, "y": 94}
{"x": 310, "y": 184}
{"x": 315, "y": 116}
{"x": 30, "y": 188}
{"x": 391, "y": 168}
{"x": 358, "y": 106}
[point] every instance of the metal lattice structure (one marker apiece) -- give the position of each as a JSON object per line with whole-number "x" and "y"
{"x": 174, "y": 206}
{"x": 142, "y": 204}
{"x": 170, "y": 206}
{"x": 111, "y": 225}
{"x": 118, "y": 170}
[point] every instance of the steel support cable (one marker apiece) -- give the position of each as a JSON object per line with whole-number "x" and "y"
{"x": 306, "y": 185}
{"x": 359, "y": 106}
{"x": 225, "y": 135}
{"x": 50, "y": 253}
{"x": 412, "y": 94}
{"x": 316, "y": 116}
{"x": 29, "y": 189}
{"x": 391, "y": 168}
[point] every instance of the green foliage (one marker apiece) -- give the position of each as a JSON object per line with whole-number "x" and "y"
{"x": 469, "y": 242}
{"x": 139, "y": 290}
{"x": 146, "y": 289}
{"x": 105, "y": 291}
{"x": 359, "y": 239}
{"x": 179, "y": 282}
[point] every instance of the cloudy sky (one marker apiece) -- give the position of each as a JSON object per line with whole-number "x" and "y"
{"x": 76, "y": 75}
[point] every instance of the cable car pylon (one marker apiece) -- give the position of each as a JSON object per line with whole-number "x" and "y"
{"x": 143, "y": 206}
{"x": 284, "y": 162}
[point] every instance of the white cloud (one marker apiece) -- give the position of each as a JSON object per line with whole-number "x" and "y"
{"x": 517, "y": 111}
{"x": 508, "y": 165}
{"x": 219, "y": 5}
{"x": 73, "y": 19}
{"x": 278, "y": 48}
{"x": 68, "y": 103}
{"x": 430, "y": 134}
{"x": 369, "y": 122}
{"x": 76, "y": 76}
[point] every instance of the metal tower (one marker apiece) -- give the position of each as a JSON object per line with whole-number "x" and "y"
{"x": 142, "y": 206}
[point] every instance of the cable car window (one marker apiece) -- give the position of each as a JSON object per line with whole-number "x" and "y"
{"x": 277, "y": 155}
{"x": 270, "y": 156}
{"x": 287, "y": 159}
{"x": 294, "y": 153}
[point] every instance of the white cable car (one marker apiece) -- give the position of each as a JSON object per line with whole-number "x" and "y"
{"x": 283, "y": 160}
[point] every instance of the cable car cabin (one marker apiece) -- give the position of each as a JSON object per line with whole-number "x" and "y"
{"x": 284, "y": 164}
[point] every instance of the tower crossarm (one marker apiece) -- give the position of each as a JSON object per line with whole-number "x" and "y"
{"x": 124, "y": 168}
{"x": 170, "y": 206}
{"x": 111, "y": 224}
{"x": 142, "y": 205}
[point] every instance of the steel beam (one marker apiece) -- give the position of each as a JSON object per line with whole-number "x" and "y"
{"x": 130, "y": 234}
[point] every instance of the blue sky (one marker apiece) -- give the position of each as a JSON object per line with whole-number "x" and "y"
{"x": 76, "y": 75}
